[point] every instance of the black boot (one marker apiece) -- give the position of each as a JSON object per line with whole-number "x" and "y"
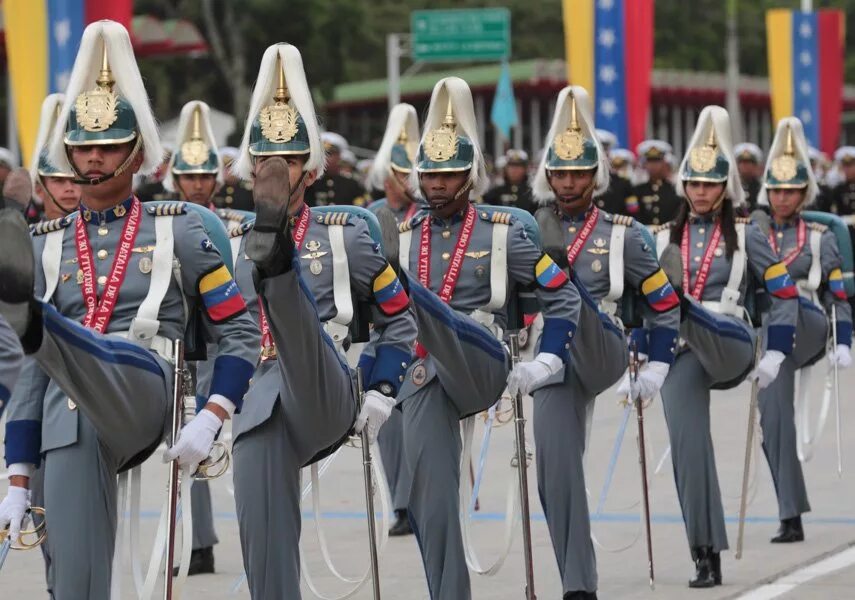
{"x": 201, "y": 562}
{"x": 401, "y": 526}
{"x": 790, "y": 531}
{"x": 17, "y": 277}
{"x": 716, "y": 566}
{"x": 580, "y": 595}
{"x": 704, "y": 578}
{"x": 269, "y": 244}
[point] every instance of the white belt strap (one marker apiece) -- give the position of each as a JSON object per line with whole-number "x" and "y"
{"x": 616, "y": 263}
{"x": 730, "y": 294}
{"x": 146, "y": 325}
{"x": 663, "y": 238}
{"x": 405, "y": 240}
{"x": 51, "y": 261}
{"x": 498, "y": 269}
{"x": 815, "y": 274}
{"x": 235, "y": 244}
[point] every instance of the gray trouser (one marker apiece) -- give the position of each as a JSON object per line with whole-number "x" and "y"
{"x": 391, "y": 442}
{"x": 471, "y": 371}
{"x": 11, "y": 358}
{"x": 80, "y": 507}
{"x": 598, "y": 359}
{"x": 204, "y": 535}
{"x": 37, "y": 498}
{"x": 316, "y": 408}
{"x": 720, "y": 349}
{"x": 777, "y": 417}
{"x": 123, "y": 392}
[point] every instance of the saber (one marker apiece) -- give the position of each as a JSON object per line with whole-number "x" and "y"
{"x": 642, "y": 462}
{"x": 38, "y": 531}
{"x": 522, "y": 472}
{"x": 836, "y": 379}
{"x": 369, "y": 492}
{"x": 173, "y": 485}
{"x": 749, "y": 442}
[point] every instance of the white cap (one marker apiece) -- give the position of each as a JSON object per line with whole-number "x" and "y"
{"x": 331, "y": 138}
{"x": 748, "y": 151}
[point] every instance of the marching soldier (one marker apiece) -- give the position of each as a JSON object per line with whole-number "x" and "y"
{"x": 749, "y": 161}
{"x": 595, "y": 245}
{"x": 657, "y": 197}
{"x": 709, "y": 255}
{"x": 94, "y": 398}
{"x": 302, "y": 396}
{"x": 55, "y": 189}
{"x": 515, "y": 189}
{"x": 335, "y": 186}
{"x": 391, "y": 171}
{"x": 235, "y": 194}
{"x": 619, "y": 198}
{"x": 460, "y": 307}
{"x": 841, "y": 200}
{"x": 810, "y": 252}
{"x": 195, "y": 174}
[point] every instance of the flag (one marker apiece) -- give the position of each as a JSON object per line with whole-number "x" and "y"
{"x": 609, "y": 51}
{"x": 504, "y": 111}
{"x": 42, "y": 37}
{"x": 805, "y": 54}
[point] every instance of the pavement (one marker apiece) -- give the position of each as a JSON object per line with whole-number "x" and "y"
{"x": 821, "y": 567}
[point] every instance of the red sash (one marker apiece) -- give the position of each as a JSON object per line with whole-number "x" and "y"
{"x": 582, "y": 237}
{"x": 704, "y": 272}
{"x": 99, "y": 312}
{"x": 801, "y": 236}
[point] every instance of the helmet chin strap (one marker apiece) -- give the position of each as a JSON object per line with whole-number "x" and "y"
{"x": 588, "y": 192}
{"x": 716, "y": 205}
{"x": 81, "y": 180}
{"x": 463, "y": 189}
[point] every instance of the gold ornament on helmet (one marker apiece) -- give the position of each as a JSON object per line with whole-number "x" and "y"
{"x": 785, "y": 167}
{"x": 195, "y": 151}
{"x": 570, "y": 144}
{"x": 702, "y": 158}
{"x": 441, "y": 144}
{"x": 279, "y": 120}
{"x": 97, "y": 109}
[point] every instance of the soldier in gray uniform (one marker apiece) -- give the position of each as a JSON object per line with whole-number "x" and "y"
{"x": 812, "y": 257}
{"x": 11, "y": 359}
{"x": 390, "y": 170}
{"x": 195, "y": 173}
{"x": 311, "y": 270}
{"x": 594, "y": 245}
{"x": 460, "y": 263}
{"x": 95, "y": 398}
{"x": 54, "y": 188}
{"x": 710, "y": 255}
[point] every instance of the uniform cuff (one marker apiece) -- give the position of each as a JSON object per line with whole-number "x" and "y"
{"x": 23, "y": 442}
{"x": 390, "y": 366}
{"x": 844, "y": 333}
{"x": 557, "y": 337}
{"x": 21, "y": 469}
{"x": 231, "y": 378}
{"x": 221, "y": 401}
{"x": 663, "y": 345}
{"x": 780, "y": 338}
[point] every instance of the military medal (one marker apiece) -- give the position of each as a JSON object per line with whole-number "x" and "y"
{"x": 66, "y": 277}
{"x": 480, "y": 271}
{"x": 316, "y": 267}
{"x": 100, "y": 311}
{"x": 79, "y": 277}
{"x": 145, "y": 265}
{"x": 419, "y": 374}
{"x": 313, "y": 245}
{"x": 596, "y": 266}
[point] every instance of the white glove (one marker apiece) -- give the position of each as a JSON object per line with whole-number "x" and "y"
{"x": 529, "y": 374}
{"x": 375, "y": 411}
{"x": 195, "y": 439}
{"x": 651, "y": 377}
{"x": 767, "y": 369}
{"x": 13, "y": 509}
{"x": 840, "y": 356}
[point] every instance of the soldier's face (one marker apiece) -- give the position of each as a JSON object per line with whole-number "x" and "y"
{"x": 656, "y": 168}
{"x": 515, "y": 174}
{"x": 441, "y": 191}
{"x": 747, "y": 169}
{"x": 785, "y": 203}
{"x": 197, "y": 188}
{"x": 572, "y": 188}
{"x": 704, "y": 196}
{"x": 64, "y": 191}
{"x": 848, "y": 170}
{"x": 396, "y": 187}
{"x": 96, "y": 161}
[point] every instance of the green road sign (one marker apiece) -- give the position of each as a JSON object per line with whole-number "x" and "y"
{"x": 461, "y": 35}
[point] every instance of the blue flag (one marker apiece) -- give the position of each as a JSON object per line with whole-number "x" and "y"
{"x": 504, "y": 112}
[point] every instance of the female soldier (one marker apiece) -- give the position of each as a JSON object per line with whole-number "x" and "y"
{"x": 810, "y": 252}
{"x": 715, "y": 251}
{"x": 601, "y": 249}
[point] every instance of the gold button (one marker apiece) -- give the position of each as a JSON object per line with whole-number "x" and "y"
{"x": 446, "y": 256}
{"x": 401, "y": 378}
{"x": 102, "y": 280}
{"x": 780, "y": 234}
{"x": 699, "y": 245}
{"x": 656, "y": 209}
{"x": 701, "y": 230}
{"x": 446, "y": 234}
{"x": 102, "y": 254}
{"x": 571, "y": 229}
{"x": 103, "y": 231}
{"x": 71, "y": 404}
{"x": 697, "y": 259}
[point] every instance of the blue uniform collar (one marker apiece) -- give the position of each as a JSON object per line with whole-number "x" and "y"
{"x": 106, "y": 216}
